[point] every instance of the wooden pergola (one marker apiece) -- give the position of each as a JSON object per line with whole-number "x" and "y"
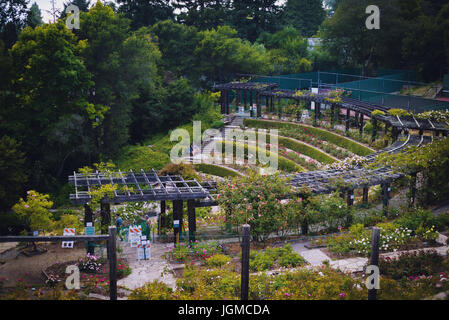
{"x": 143, "y": 186}
{"x": 242, "y": 90}
{"x": 360, "y": 108}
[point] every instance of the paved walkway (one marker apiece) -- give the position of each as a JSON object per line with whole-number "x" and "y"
{"x": 144, "y": 271}
{"x": 316, "y": 257}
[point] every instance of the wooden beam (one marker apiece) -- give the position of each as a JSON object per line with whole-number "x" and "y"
{"x": 244, "y": 285}
{"x": 192, "y": 219}
{"x": 112, "y": 256}
{"x": 177, "y": 216}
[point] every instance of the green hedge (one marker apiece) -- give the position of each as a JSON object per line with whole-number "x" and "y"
{"x": 215, "y": 170}
{"x": 283, "y": 163}
{"x": 319, "y": 133}
{"x": 306, "y": 150}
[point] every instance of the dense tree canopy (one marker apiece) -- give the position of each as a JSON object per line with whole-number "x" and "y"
{"x": 305, "y": 15}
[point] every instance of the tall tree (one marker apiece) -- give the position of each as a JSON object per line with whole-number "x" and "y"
{"x": 49, "y": 108}
{"x": 146, "y": 12}
{"x": 34, "y": 17}
{"x": 177, "y": 43}
{"x": 252, "y": 17}
{"x": 287, "y": 50}
{"x": 305, "y": 15}
{"x": 12, "y": 171}
{"x": 203, "y": 14}
{"x": 221, "y": 54}
{"x": 121, "y": 64}
{"x": 83, "y": 5}
{"x": 12, "y": 19}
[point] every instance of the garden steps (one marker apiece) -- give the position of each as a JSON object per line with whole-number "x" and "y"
{"x": 309, "y": 126}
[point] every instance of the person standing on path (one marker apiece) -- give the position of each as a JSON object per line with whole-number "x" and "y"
{"x": 118, "y": 224}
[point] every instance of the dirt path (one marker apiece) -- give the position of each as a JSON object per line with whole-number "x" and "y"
{"x": 17, "y": 265}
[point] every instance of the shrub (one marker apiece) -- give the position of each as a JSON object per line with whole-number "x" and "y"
{"x": 414, "y": 218}
{"x": 215, "y": 170}
{"x": 281, "y": 256}
{"x": 411, "y": 264}
{"x": 90, "y": 264}
{"x": 183, "y": 169}
{"x": 155, "y": 290}
{"x": 123, "y": 269}
{"x": 306, "y": 150}
{"x": 217, "y": 125}
{"x": 218, "y": 260}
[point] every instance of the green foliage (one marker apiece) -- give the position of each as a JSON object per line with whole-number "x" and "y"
{"x": 34, "y": 211}
{"x": 12, "y": 171}
{"x": 306, "y": 150}
{"x": 183, "y": 169}
{"x": 215, "y": 170}
{"x": 304, "y": 15}
{"x": 319, "y": 133}
{"x": 183, "y": 252}
{"x": 411, "y": 264}
{"x": 283, "y": 163}
{"x": 377, "y": 113}
{"x": 414, "y": 218}
{"x": 256, "y": 200}
{"x": 287, "y": 50}
{"x": 218, "y": 260}
{"x": 223, "y": 54}
{"x": 275, "y": 257}
{"x": 68, "y": 221}
{"x": 398, "y": 112}
{"x": 141, "y": 157}
{"x": 431, "y": 161}
{"x": 156, "y": 290}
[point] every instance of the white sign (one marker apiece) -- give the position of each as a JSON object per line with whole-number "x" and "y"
{"x": 68, "y": 232}
{"x": 88, "y": 224}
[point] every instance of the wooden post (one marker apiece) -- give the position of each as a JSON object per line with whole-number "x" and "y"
{"x": 259, "y": 106}
{"x": 279, "y": 108}
{"x": 272, "y": 104}
{"x": 412, "y": 190}
{"x": 88, "y": 217}
{"x": 162, "y": 221}
{"x": 245, "y": 263}
{"x": 191, "y": 219}
{"x": 250, "y": 98}
{"x": 105, "y": 213}
{"x": 266, "y": 104}
{"x": 112, "y": 256}
{"x": 177, "y": 215}
{"x": 350, "y": 202}
{"x": 361, "y": 122}
{"x": 385, "y": 197}
{"x": 246, "y": 102}
{"x": 357, "y": 116}
{"x": 348, "y": 119}
{"x": 365, "y": 195}
{"x": 227, "y": 102}
{"x": 374, "y": 258}
{"x": 350, "y": 199}
{"x": 221, "y": 102}
{"x": 332, "y": 113}
{"x": 374, "y": 129}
